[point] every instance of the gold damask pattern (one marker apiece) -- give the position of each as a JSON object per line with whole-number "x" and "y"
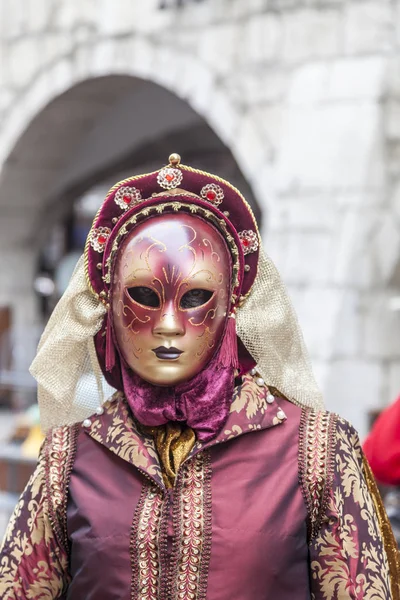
{"x": 347, "y": 556}
{"x": 117, "y": 431}
{"x": 33, "y": 565}
{"x": 389, "y": 541}
{"x": 251, "y": 410}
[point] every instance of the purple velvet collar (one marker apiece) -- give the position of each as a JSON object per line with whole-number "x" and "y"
{"x": 203, "y": 402}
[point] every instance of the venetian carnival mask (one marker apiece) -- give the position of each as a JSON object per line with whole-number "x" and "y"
{"x": 170, "y": 297}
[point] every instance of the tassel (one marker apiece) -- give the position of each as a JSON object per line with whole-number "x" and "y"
{"x": 228, "y": 354}
{"x": 110, "y": 348}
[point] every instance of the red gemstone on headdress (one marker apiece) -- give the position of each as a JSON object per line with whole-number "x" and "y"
{"x": 169, "y": 176}
{"x": 102, "y": 239}
{"x": 127, "y": 199}
{"x": 211, "y": 195}
{"x": 246, "y": 243}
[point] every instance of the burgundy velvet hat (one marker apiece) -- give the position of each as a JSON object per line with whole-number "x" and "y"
{"x": 173, "y": 188}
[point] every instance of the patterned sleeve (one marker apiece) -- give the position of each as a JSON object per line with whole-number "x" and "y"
{"x": 32, "y": 563}
{"x": 353, "y": 554}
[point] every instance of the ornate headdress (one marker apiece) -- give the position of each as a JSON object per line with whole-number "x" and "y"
{"x": 75, "y": 351}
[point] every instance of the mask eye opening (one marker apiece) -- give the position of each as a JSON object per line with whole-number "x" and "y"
{"x": 144, "y": 296}
{"x": 195, "y": 298}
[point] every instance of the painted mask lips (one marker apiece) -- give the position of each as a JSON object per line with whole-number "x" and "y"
{"x": 167, "y": 353}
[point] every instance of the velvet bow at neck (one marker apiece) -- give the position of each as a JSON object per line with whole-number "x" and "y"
{"x": 202, "y": 403}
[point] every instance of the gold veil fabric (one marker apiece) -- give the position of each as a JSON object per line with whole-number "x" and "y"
{"x": 70, "y": 382}
{"x": 267, "y": 325}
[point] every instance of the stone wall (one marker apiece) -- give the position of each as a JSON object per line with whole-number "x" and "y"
{"x": 307, "y": 96}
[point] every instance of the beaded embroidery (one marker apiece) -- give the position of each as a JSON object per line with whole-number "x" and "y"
{"x": 212, "y": 193}
{"x": 249, "y": 240}
{"x": 169, "y": 178}
{"x": 126, "y": 197}
{"x": 99, "y": 237}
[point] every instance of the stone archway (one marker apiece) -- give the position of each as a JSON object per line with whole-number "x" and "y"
{"x": 182, "y": 74}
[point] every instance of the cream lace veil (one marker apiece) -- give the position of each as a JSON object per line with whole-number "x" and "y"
{"x": 70, "y": 382}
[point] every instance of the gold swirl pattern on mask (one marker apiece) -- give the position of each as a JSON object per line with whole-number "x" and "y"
{"x": 177, "y": 206}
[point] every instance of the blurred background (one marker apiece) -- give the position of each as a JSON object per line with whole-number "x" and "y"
{"x": 296, "y": 102}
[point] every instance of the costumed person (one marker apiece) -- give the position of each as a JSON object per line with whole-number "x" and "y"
{"x": 382, "y": 446}
{"x": 213, "y": 472}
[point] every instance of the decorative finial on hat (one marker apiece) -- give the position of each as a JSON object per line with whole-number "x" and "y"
{"x": 174, "y": 159}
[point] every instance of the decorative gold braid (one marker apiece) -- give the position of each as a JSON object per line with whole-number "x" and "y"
{"x": 389, "y": 542}
{"x": 86, "y": 257}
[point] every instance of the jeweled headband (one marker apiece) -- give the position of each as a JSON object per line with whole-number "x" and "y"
{"x": 173, "y": 188}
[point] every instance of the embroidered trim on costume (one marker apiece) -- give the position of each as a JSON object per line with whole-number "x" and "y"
{"x": 192, "y": 524}
{"x": 316, "y": 466}
{"x": 145, "y": 543}
{"x": 389, "y": 542}
{"x": 60, "y": 455}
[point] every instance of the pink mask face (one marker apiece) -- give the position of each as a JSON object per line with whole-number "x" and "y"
{"x": 170, "y": 297}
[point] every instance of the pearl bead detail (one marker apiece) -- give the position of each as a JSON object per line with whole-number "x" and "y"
{"x": 280, "y": 414}
{"x": 253, "y": 371}
{"x": 260, "y": 381}
{"x": 99, "y": 410}
{"x": 270, "y": 398}
{"x": 87, "y": 423}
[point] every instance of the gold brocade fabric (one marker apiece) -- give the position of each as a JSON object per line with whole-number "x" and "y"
{"x": 70, "y": 381}
{"x": 173, "y": 441}
{"x": 391, "y": 548}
